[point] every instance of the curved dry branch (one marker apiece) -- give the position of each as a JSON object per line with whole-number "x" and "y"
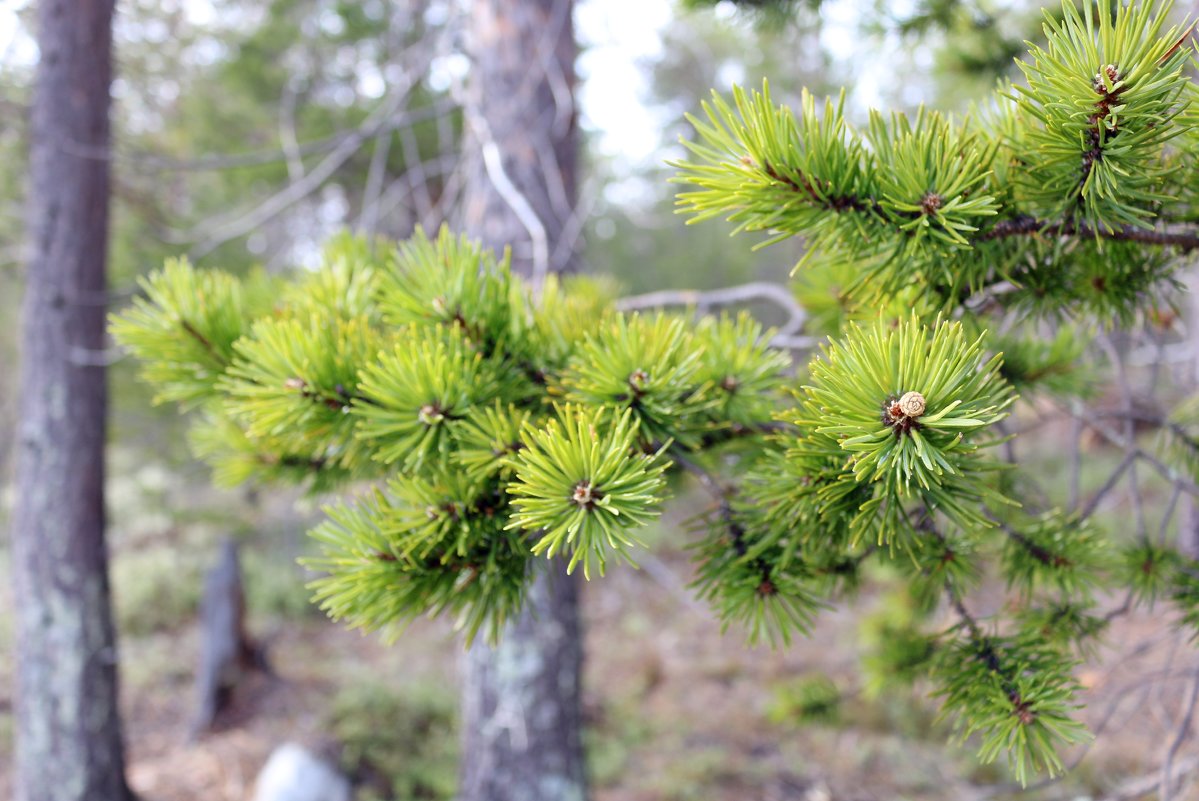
{"x": 785, "y": 337}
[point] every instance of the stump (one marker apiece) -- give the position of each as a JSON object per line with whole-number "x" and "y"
{"x": 227, "y": 653}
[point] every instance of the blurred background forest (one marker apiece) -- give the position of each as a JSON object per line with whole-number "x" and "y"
{"x": 248, "y": 131}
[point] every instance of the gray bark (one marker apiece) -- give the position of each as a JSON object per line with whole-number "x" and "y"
{"x": 69, "y": 745}
{"x": 226, "y": 651}
{"x": 520, "y": 106}
{"x": 521, "y": 700}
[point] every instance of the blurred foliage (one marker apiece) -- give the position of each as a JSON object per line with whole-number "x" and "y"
{"x": 633, "y": 233}
{"x": 764, "y": 13}
{"x": 157, "y": 589}
{"x": 807, "y": 699}
{"x": 202, "y": 125}
{"x": 275, "y": 586}
{"x": 397, "y": 744}
{"x": 696, "y": 775}
{"x": 896, "y": 650}
{"x": 965, "y": 44}
{"x": 613, "y": 732}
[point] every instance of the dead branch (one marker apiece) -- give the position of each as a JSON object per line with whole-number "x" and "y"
{"x": 787, "y": 335}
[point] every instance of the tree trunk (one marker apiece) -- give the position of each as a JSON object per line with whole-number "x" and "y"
{"x": 522, "y": 145}
{"x": 521, "y": 700}
{"x": 69, "y": 744}
{"x": 521, "y": 709}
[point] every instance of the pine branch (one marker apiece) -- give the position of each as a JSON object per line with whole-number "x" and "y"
{"x": 1180, "y": 736}
{"x": 723, "y": 496}
{"x": 292, "y": 460}
{"x": 967, "y": 619}
{"x": 1036, "y": 550}
{"x": 1020, "y": 225}
{"x": 341, "y": 398}
{"x": 835, "y": 203}
{"x": 740, "y": 430}
{"x": 706, "y": 479}
{"x": 986, "y": 650}
{"x": 1027, "y": 225}
{"x": 204, "y": 341}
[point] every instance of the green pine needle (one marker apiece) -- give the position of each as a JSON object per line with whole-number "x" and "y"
{"x": 584, "y": 486}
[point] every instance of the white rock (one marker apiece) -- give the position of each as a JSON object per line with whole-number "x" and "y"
{"x": 294, "y": 774}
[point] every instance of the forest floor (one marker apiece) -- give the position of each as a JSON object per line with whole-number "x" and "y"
{"x": 676, "y": 710}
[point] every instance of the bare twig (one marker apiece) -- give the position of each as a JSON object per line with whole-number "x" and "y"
{"x": 1139, "y": 788}
{"x": 726, "y": 296}
{"x": 240, "y": 222}
{"x": 287, "y": 130}
{"x": 706, "y": 479}
{"x": 1109, "y": 485}
{"x": 494, "y": 163}
{"x": 1180, "y": 736}
{"x": 399, "y": 191}
{"x": 144, "y": 161}
{"x": 415, "y": 166}
{"x": 1168, "y": 514}
{"x": 1166, "y": 472}
{"x": 1129, "y": 431}
{"x": 572, "y": 229}
{"x": 368, "y": 219}
{"x": 664, "y": 577}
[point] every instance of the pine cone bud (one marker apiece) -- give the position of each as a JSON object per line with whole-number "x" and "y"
{"x": 912, "y": 404}
{"x": 430, "y": 414}
{"x": 584, "y": 494}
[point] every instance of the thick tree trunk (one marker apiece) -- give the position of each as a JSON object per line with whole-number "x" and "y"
{"x": 522, "y": 147}
{"x": 521, "y": 708}
{"x": 521, "y": 704}
{"x": 68, "y": 729}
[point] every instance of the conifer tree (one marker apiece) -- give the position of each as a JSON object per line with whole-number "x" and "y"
{"x": 496, "y": 425}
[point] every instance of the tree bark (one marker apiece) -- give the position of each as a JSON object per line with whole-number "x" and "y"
{"x": 522, "y": 132}
{"x": 69, "y": 745}
{"x": 521, "y": 700}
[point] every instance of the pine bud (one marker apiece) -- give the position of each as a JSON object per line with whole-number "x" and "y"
{"x": 430, "y": 415}
{"x": 1113, "y": 76}
{"x": 912, "y": 404}
{"x": 583, "y": 495}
